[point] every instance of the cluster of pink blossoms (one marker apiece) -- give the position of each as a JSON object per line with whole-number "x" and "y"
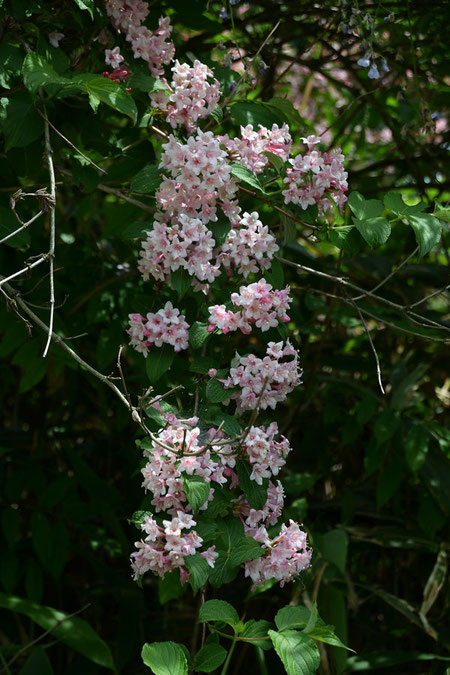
{"x": 266, "y": 455}
{"x": 284, "y": 557}
{"x": 180, "y": 452}
{"x": 250, "y": 148}
{"x": 187, "y": 243}
{"x": 313, "y": 175}
{"x": 257, "y": 304}
{"x": 155, "y": 47}
{"x": 264, "y": 382}
{"x": 249, "y": 246}
{"x": 164, "y": 549}
{"x": 165, "y": 326}
{"x": 189, "y": 96}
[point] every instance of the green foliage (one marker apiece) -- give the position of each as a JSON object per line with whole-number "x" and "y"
{"x": 165, "y": 658}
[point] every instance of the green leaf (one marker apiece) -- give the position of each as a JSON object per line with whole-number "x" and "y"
{"x": 394, "y": 202}
{"x": 216, "y": 392}
{"x": 255, "y": 630}
{"x": 427, "y": 229}
{"x": 255, "y": 494}
{"x": 326, "y": 634}
{"x": 136, "y": 230}
{"x": 416, "y": 446}
{"x": 442, "y": 212}
{"x": 312, "y": 621}
{"x": 292, "y": 617}
{"x": 297, "y": 652}
{"x": 180, "y": 281}
{"x": 224, "y": 572}
{"x": 198, "y": 334}
{"x": 158, "y": 362}
{"x": 199, "y": 570}
{"x": 22, "y": 124}
{"x": 364, "y": 209}
{"x": 37, "y": 72}
{"x": 74, "y": 632}
{"x": 275, "y": 275}
{"x": 283, "y": 108}
{"x": 220, "y": 231}
{"x": 243, "y": 174}
{"x": 296, "y": 483}
{"x": 245, "y": 549}
{"x": 165, "y": 658}
{"x": 277, "y": 162}
{"x": 37, "y": 663}
{"x": 209, "y": 658}
{"x": 230, "y": 424}
{"x": 345, "y": 237}
{"x": 333, "y": 547}
{"x": 254, "y": 113}
{"x": 147, "y": 180}
{"x": 375, "y": 231}
{"x": 107, "y": 91}
{"x": 170, "y": 588}
{"x": 218, "y": 610}
{"x": 142, "y": 82}
{"x": 370, "y": 661}
{"x": 197, "y": 490}
{"x": 86, "y": 5}
{"x": 139, "y": 517}
{"x": 202, "y": 364}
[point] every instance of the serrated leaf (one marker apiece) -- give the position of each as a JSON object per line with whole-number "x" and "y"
{"x": 224, "y": 572}
{"x": 394, "y": 202}
{"x": 297, "y": 652}
{"x": 209, "y": 658}
{"x": 364, "y": 209}
{"x": 181, "y": 281}
{"x": 442, "y": 212}
{"x": 218, "y": 610}
{"x": 245, "y": 549}
{"x": 427, "y": 229}
{"x": 199, "y": 571}
{"x": 292, "y": 617}
{"x": 275, "y": 275}
{"x": 416, "y": 446}
{"x": 37, "y": 72}
{"x": 76, "y": 633}
{"x": 136, "y": 230}
{"x": 375, "y": 231}
{"x": 243, "y": 174}
{"x": 198, "y": 334}
{"x": 147, "y": 180}
{"x": 345, "y": 237}
{"x": 255, "y": 631}
{"x": 165, "y": 658}
{"x": 326, "y": 634}
{"x": 139, "y": 517}
{"x": 217, "y": 114}
{"x": 230, "y": 424}
{"x": 255, "y": 494}
{"x": 197, "y": 490}
{"x": 107, "y": 91}
{"x": 312, "y": 620}
{"x": 216, "y": 392}
{"x": 22, "y": 124}
{"x": 158, "y": 362}
{"x": 142, "y": 82}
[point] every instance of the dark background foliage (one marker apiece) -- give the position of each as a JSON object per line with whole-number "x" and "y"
{"x": 369, "y": 474}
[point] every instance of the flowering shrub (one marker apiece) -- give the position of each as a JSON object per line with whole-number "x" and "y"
{"x": 232, "y": 193}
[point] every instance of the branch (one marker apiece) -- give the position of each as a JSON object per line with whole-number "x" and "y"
{"x": 51, "y": 250}
{"x": 377, "y": 361}
{"x": 277, "y": 208}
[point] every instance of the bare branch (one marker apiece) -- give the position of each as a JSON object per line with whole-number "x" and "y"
{"x": 51, "y": 250}
{"x": 377, "y": 360}
{"x": 22, "y": 227}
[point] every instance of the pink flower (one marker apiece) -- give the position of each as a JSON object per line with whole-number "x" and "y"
{"x": 55, "y": 38}
{"x": 113, "y": 57}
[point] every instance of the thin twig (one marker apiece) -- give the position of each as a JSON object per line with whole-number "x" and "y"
{"x": 377, "y": 360}
{"x": 277, "y": 208}
{"x": 427, "y": 297}
{"x": 389, "y": 276}
{"x": 124, "y": 385}
{"x": 22, "y": 227}
{"x": 40, "y": 259}
{"x": 47, "y": 632}
{"x": 47, "y": 121}
{"x": 51, "y": 250}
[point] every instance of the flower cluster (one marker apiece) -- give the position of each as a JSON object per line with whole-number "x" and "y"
{"x": 264, "y": 382}
{"x": 189, "y": 96}
{"x": 284, "y": 558}
{"x": 165, "y": 326}
{"x": 256, "y": 519}
{"x": 155, "y": 47}
{"x": 249, "y": 246}
{"x": 250, "y": 148}
{"x": 200, "y": 179}
{"x": 178, "y": 451}
{"x": 165, "y": 547}
{"x": 266, "y": 455}
{"x": 315, "y": 175}
{"x": 187, "y": 243}
{"x": 257, "y": 304}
